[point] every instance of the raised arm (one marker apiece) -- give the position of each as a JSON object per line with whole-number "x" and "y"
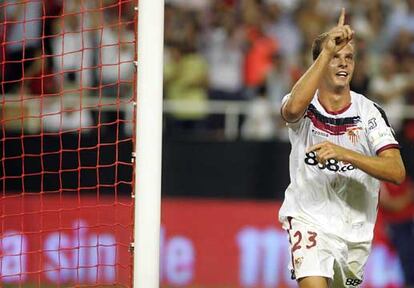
{"x": 303, "y": 91}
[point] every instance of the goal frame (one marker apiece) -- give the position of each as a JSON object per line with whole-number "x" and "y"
{"x": 148, "y": 143}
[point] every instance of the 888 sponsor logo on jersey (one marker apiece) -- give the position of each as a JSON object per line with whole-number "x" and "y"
{"x": 331, "y": 164}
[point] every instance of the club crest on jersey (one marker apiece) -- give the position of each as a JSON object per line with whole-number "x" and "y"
{"x": 353, "y": 134}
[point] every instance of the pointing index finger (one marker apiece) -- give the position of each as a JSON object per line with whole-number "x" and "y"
{"x": 341, "y": 20}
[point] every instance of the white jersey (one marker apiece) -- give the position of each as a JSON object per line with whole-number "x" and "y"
{"x": 336, "y": 197}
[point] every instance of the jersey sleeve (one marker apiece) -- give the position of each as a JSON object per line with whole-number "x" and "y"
{"x": 292, "y": 125}
{"x": 380, "y": 134}
{"x": 284, "y": 100}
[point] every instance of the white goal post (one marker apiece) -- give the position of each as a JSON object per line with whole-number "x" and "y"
{"x": 148, "y": 143}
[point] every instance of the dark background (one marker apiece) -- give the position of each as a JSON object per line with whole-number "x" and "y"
{"x": 191, "y": 168}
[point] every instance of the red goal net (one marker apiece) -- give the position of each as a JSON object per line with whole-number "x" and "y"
{"x": 68, "y": 92}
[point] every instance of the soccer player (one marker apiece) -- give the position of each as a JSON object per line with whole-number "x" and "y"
{"x": 342, "y": 145}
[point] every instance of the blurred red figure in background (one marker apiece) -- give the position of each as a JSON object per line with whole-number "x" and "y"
{"x": 397, "y": 207}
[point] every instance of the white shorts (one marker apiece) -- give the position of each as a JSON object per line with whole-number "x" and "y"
{"x": 315, "y": 253}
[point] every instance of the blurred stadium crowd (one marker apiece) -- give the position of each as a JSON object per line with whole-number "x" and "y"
{"x": 255, "y": 50}
{"x": 248, "y": 52}
{"x": 66, "y": 51}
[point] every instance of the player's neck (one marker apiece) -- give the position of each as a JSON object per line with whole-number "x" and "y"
{"x": 334, "y": 101}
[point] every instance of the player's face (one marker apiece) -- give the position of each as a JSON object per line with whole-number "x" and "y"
{"x": 341, "y": 68}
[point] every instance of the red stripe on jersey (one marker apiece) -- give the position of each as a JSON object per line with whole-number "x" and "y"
{"x": 329, "y": 128}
